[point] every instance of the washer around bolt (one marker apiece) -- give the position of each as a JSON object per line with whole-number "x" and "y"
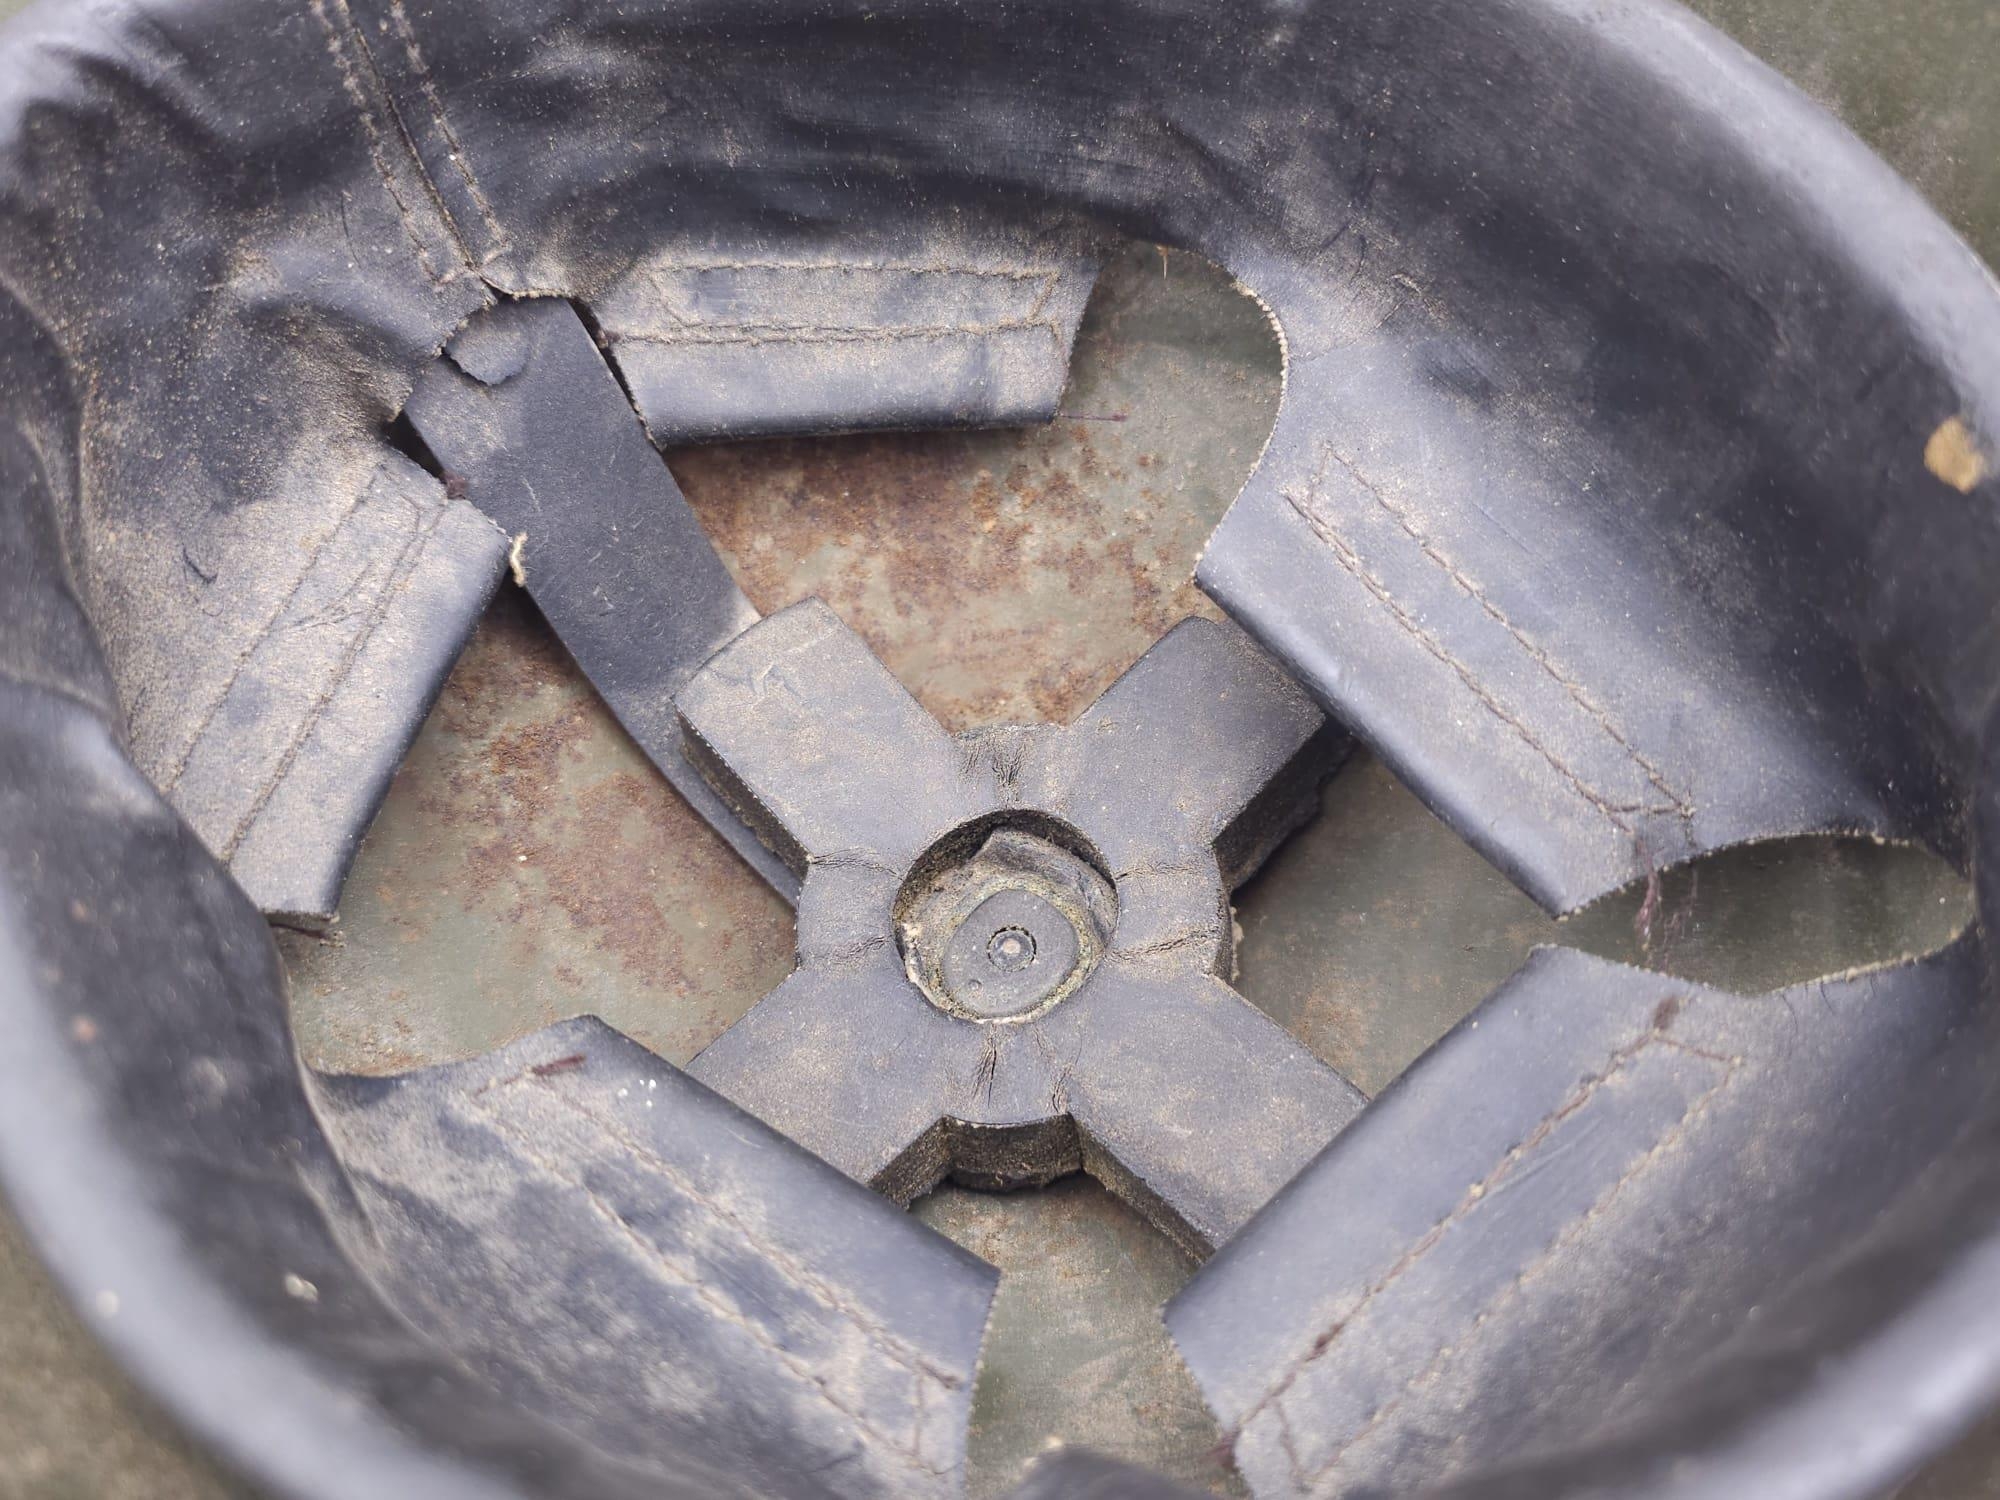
{"x": 1004, "y": 928}
{"x": 1011, "y": 953}
{"x": 1010, "y": 948}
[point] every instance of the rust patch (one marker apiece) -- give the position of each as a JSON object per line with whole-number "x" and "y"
{"x": 511, "y": 655}
{"x": 1010, "y": 576}
{"x": 998, "y": 592}
{"x": 529, "y": 864}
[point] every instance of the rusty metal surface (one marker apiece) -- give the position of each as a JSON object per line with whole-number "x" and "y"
{"x": 530, "y": 864}
{"x": 1076, "y": 1351}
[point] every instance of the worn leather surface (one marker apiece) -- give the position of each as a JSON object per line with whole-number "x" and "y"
{"x": 622, "y": 1216}
{"x": 523, "y": 417}
{"x": 304, "y": 258}
{"x": 1633, "y": 494}
{"x": 1600, "y": 562}
{"x": 1598, "y": 1181}
{"x": 829, "y": 333}
{"x": 607, "y": 1240}
{"x": 1547, "y": 359}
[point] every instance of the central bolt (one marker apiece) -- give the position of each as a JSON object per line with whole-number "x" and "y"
{"x": 1010, "y": 953}
{"x": 1000, "y": 923}
{"x": 1010, "y": 948}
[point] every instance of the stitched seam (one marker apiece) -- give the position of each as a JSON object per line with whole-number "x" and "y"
{"x": 393, "y": 113}
{"x": 357, "y": 598}
{"x": 407, "y": 558}
{"x": 1351, "y": 561}
{"x": 1046, "y": 275}
{"x": 879, "y": 1337}
{"x": 1428, "y": 1241}
{"x": 1288, "y": 1441}
{"x": 371, "y": 128}
{"x": 257, "y": 639}
{"x": 724, "y": 333}
{"x": 454, "y": 148}
{"x": 1569, "y": 1236}
{"x": 1535, "y": 653}
{"x": 691, "y": 1277}
{"x": 812, "y": 333}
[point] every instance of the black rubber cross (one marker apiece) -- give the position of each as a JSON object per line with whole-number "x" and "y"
{"x": 1014, "y": 945}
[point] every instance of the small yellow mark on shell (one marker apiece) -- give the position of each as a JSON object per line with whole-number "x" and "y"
{"x": 1953, "y": 454}
{"x": 517, "y": 560}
